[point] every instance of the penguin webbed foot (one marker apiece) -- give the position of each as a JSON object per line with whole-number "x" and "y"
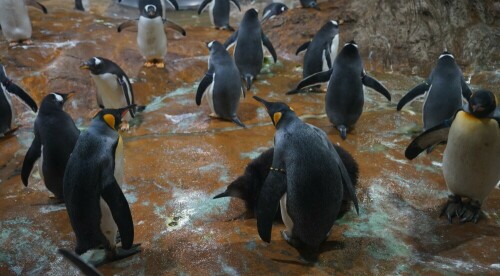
{"x": 452, "y": 207}
{"x": 471, "y": 211}
{"x": 117, "y": 254}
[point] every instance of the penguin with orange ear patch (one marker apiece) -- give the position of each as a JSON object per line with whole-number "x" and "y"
{"x": 95, "y": 202}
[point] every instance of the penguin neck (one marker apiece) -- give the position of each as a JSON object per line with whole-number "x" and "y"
{"x": 288, "y": 119}
{"x": 102, "y": 128}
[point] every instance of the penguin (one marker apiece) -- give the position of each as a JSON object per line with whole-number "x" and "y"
{"x": 96, "y": 205}
{"x": 151, "y": 37}
{"x": 82, "y": 5}
{"x": 114, "y": 89}
{"x": 15, "y": 20}
{"x": 85, "y": 268}
{"x": 219, "y": 12}
{"x": 471, "y": 156}
{"x": 55, "y": 138}
{"x": 309, "y": 4}
{"x": 222, "y": 83}
{"x": 443, "y": 92}
{"x": 248, "y": 53}
{"x": 344, "y": 96}
{"x": 7, "y": 111}
{"x": 247, "y": 186}
{"x": 321, "y": 50}
{"x": 307, "y": 181}
{"x": 164, "y": 3}
{"x": 272, "y": 10}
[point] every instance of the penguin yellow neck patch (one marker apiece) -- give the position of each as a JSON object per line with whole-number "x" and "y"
{"x": 110, "y": 120}
{"x": 276, "y": 117}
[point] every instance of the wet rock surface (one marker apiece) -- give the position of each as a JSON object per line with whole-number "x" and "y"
{"x": 177, "y": 158}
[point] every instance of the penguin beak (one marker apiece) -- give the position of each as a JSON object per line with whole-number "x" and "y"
{"x": 85, "y": 65}
{"x": 68, "y": 96}
{"x": 477, "y": 108}
{"x": 267, "y": 104}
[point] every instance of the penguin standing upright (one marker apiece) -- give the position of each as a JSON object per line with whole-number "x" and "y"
{"x": 223, "y": 84}
{"x": 82, "y": 5}
{"x": 307, "y": 181}
{"x": 219, "y": 12}
{"x": 443, "y": 91}
{"x": 471, "y": 157}
{"x": 272, "y": 10}
{"x": 7, "y": 111}
{"x": 15, "y": 20}
{"x": 94, "y": 200}
{"x": 248, "y": 53}
{"x": 114, "y": 89}
{"x": 344, "y": 97}
{"x": 55, "y": 138}
{"x": 151, "y": 37}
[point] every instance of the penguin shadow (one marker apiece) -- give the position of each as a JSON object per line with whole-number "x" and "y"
{"x": 327, "y": 246}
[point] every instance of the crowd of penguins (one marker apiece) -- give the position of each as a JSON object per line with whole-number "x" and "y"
{"x": 85, "y": 169}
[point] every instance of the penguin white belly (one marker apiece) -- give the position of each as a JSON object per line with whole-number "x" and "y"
{"x": 109, "y": 90}
{"x": 284, "y": 215}
{"x": 334, "y": 48}
{"x": 9, "y": 101}
{"x": 15, "y": 21}
{"x": 108, "y": 225}
{"x": 472, "y": 157}
{"x": 151, "y": 38}
{"x": 119, "y": 161}
{"x": 324, "y": 66}
{"x": 210, "y": 96}
{"x": 86, "y": 5}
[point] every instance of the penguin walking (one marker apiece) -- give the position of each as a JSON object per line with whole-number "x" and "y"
{"x": 114, "y": 89}
{"x": 309, "y": 4}
{"x": 55, "y": 138}
{"x": 248, "y": 53}
{"x": 321, "y": 50}
{"x": 94, "y": 200}
{"x": 222, "y": 83}
{"x": 15, "y": 21}
{"x": 471, "y": 156}
{"x": 307, "y": 181}
{"x": 248, "y": 186}
{"x": 219, "y": 12}
{"x": 7, "y": 111}
{"x": 443, "y": 92}
{"x": 344, "y": 97}
{"x": 151, "y": 37}
{"x": 272, "y": 10}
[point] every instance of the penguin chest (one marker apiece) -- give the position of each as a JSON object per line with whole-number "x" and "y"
{"x": 109, "y": 91}
{"x": 287, "y": 220}
{"x": 210, "y": 96}
{"x": 471, "y": 159}
{"x": 151, "y": 38}
{"x": 108, "y": 225}
{"x": 15, "y": 21}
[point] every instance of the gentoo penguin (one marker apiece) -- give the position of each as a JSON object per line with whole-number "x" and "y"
{"x": 307, "y": 181}
{"x": 248, "y": 53}
{"x": 55, "y": 138}
{"x": 247, "y": 186}
{"x": 94, "y": 200}
{"x": 471, "y": 156}
{"x": 219, "y": 12}
{"x": 15, "y": 20}
{"x": 151, "y": 37}
{"x": 344, "y": 96}
{"x": 82, "y": 5}
{"x": 113, "y": 86}
{"x": 321, "y": 50}
{"x": 443, "y": 92}
{"x": 222, "y": 83}
{"x": 85, "y": 268}
{"x": 272, "y": 10}
{"x": 309, "y": 4}
{"x": 7, "y": 111}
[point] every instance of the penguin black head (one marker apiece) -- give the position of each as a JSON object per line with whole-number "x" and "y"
{"x": 251, "y": 14}
{"x": 96, "y": 65}
{"x": 276, "y": 110}
{"x": 150, "y": 8}
{"x": 55, "y": 100}
{"x": 445, "y": 53}
{"x": 113, "y": 117}
{"x": 214, "y": 46}
{"x": 482, "y": 103}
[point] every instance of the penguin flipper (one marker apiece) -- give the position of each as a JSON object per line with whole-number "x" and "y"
{"x": 34, "y": 152}
{"x": 312, "y": 80}
{"x": 85, "y": 268}
{"x": 203, "y": 5}
{"x": 37, "y": 5}
{"x": 237, "y": 121}
{"x": 21, "y": 94}
{"x": 376, "y": 85}
{"x": 466, "y": 93}
{"x": 205, "y": 82}
{"x": 269, "y": 46}
{"x": 174, "y": 4}
{"x": 128, "y": 93}
{"x": 79, "y": 5}
{"x": 237, "y": 4}
{"x": 412, "y": 94}
{"x": 231, "y": 40}
{"x": 175, "y": 26}
{"x": 127, "y": 24}
{"x": 428, "y": 139}
{"x": 303, "y": 47}
{"x": 269, "y": 198}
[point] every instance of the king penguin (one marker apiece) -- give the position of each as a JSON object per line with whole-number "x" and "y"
{"x": 55, "y": 138}
{"x": 222, "y": 83}
{"x": 443, "y": 92}
{"x": 345, "y": 93}
{"x": 7, "y": 111}
{"x": 248, "y": 53}
{"x": 96, "y": 205}
{"x": 219, "y": 12}
{"x": 307, "y": 181}
{"x": 272, "y": 10}
{"x": 471, "y": 156}
{"x": 15, "y": 20}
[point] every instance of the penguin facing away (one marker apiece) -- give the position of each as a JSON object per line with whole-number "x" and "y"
{"x": 222, "y": 84}
{"x": 248, "y": 41}
{"x": 15, "y": 21}
{"x": 307, "y": 181}
{"x": 7, "y": 111}
{"x": 272, "y": 10}
{"x": 345, "y": 93}
{"x": 443, "y": 92}
{"x": 219, "y": 12}
{"x": 96, "y": 205}
{"x": 55, "y": 138}
{"x": 471, "y": 156}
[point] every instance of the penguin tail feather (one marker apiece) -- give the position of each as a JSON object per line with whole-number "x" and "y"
{"x": 343, "y": 131}
{"x": 237, "y": 121}
{"x": 224, "y": 194}
{"x": 248, "y": 80}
